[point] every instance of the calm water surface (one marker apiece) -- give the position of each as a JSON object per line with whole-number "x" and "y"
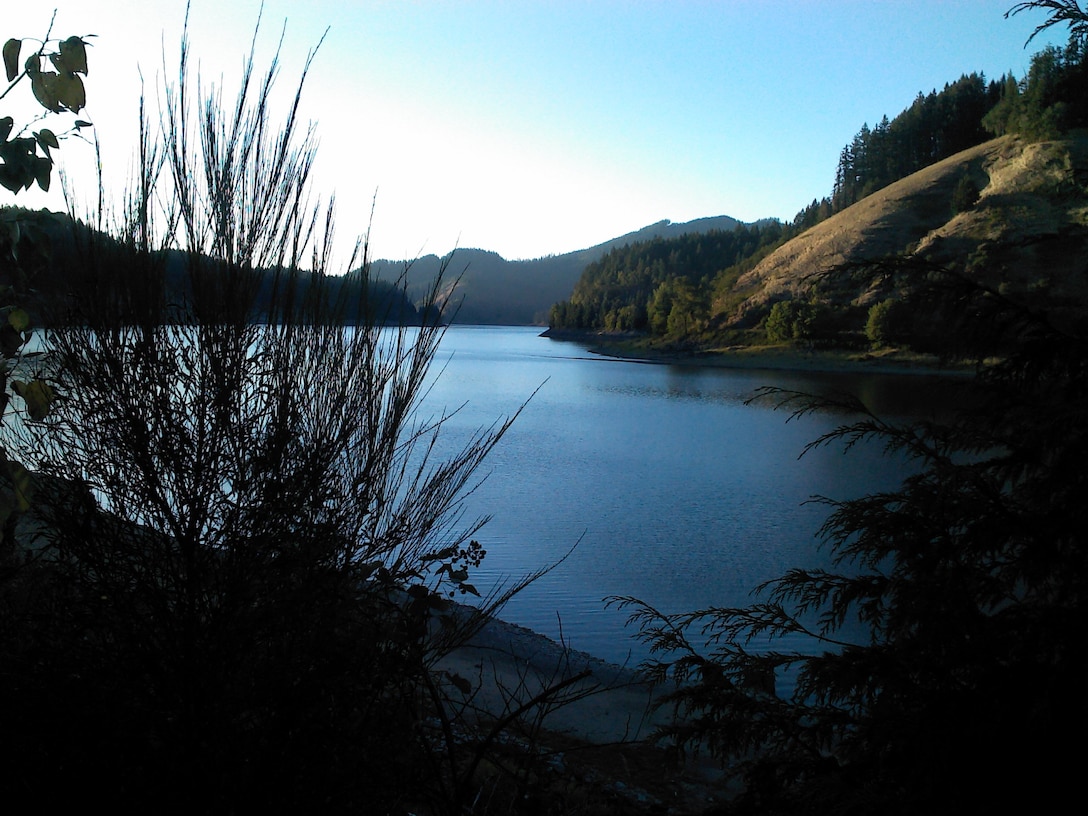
{"x": 673, "y": 490}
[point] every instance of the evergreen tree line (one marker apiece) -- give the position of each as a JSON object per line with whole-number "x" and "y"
{"x": 934, "y": 127}
{"x": 661, "y": 286}
{"x": 1051, "y": 99}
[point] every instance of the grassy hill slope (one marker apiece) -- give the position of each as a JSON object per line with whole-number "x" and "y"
{"x": 1027, "y": 233}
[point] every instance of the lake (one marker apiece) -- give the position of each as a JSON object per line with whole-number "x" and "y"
{"x": 673, "y": 489}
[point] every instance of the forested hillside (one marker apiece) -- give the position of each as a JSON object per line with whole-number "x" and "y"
{"x": 662, "y": 286}
{"x": 61, "y": 251}
{"x": 485, "y": 288}
{"x": 946, "y": 199}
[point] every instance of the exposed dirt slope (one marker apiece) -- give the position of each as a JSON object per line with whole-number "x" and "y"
{"x": 1028, "y": 229}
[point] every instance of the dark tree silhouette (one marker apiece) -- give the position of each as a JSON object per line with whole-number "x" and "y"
{"x": 235, "y": 584}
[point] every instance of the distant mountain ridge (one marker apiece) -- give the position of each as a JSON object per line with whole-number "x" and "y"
{"x": 482, "y": 287}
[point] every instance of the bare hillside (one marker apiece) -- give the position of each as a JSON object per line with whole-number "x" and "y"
{"x": 1028, "y": 229}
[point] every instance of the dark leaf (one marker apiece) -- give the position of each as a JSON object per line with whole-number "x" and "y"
{"x": 46, "y": 139}
{"x": 74, "y": 52}
{"x": 38, "y": 396}
{"x": 418, "y": 592}
{"x": 43, "y": 171}
{"x": 44, "y": 85}
{"x": 19, "y": 319}
{"x": 70, "y": 92}
{"x": 10, "y": 179}
{"x": 10, "y": 341}
{"x": 463, "y": 685}
{"x": 11, "y": 58}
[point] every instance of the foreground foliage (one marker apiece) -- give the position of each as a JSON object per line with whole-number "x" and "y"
{"x": 53, "y": 68}
{"x": 234, "y": 587}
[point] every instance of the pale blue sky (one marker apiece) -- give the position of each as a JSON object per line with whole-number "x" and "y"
{"x": 531, "y": 128}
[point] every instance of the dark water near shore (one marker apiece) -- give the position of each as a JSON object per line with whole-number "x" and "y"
{"x": 673, "y": 489}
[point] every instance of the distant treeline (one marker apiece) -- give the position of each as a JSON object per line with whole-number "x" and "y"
{"x": 676, "y": 287}
{"x": 80, "y": 267}
{"x": 664, "y": 285}
{"x": 1050, "y": 100}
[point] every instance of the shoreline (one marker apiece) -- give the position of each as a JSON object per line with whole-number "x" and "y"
{"x": 775, "y": 358}
{"x": 505, "y": 655}
{"x": 598, "y": 728}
